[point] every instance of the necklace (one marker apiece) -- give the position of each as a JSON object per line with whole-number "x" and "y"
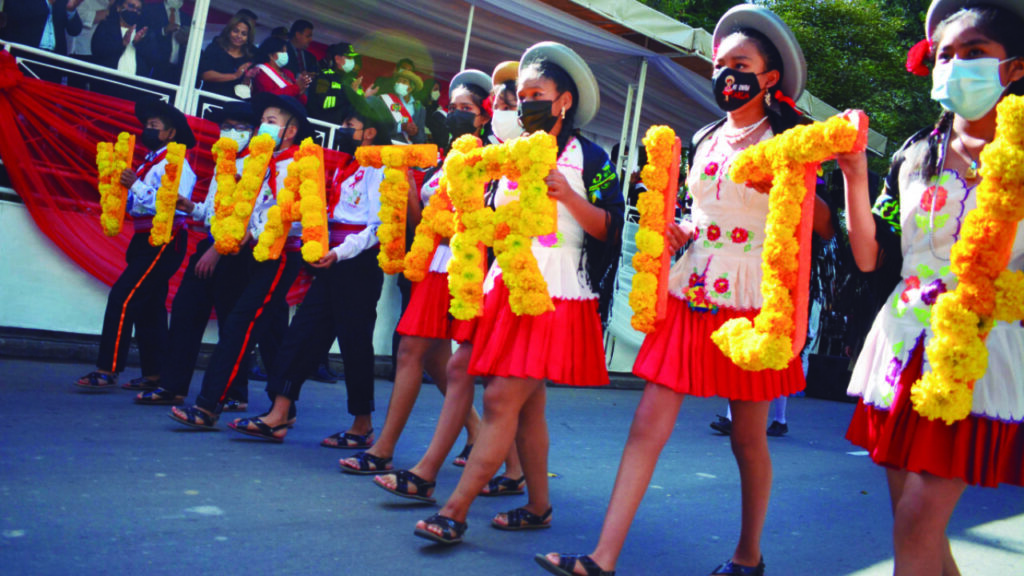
{"x": 734, "y": 136}
{"x": 972, "y": 170}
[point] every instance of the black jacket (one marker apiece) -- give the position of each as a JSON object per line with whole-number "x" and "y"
{"x": 108, "y": 46}
{"x": 155, "y": 17}
{"x": 26, "y": 20}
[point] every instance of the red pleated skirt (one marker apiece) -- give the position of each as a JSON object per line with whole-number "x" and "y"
{"x": 563, "y": 345}
{"x": 680, "y": 355}
{"x": 426, "y": 316}
{"x": 979, "y": 451}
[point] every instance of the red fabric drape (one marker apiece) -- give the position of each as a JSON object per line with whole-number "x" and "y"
{"x": 48, "y": 145}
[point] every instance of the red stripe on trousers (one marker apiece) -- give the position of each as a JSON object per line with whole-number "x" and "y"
{"x": 124, "y": 307}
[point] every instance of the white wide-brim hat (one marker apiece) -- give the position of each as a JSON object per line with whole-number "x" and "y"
{"x": 941, "y": 9}
{"x": 472, "y": 77}
{"x": 574, "y": 65}
{"x": 794, "y": 65}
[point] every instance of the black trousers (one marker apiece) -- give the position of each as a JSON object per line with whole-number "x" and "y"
{"x": 195, "y": 299}
{"x": 341, "y": 303}
{"x": 246, "y": 324}
{"x": 138, "y": 302}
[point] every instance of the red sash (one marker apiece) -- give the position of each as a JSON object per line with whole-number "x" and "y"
{"x": 143, "y": 170}
{"x": 395, "y": 104}
{"x": 345, "y": 168}
{"x": 289, "y": 153}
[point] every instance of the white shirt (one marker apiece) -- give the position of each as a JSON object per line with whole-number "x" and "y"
{"x": 175, "y": 45}
{"x": 127, "y": 62}
{"x": 359, "y": 203}
{"x": 81, "y": 45}
{"x": 142, "y": 194}
{"x": 268, "y": 198}
{"x": 203, "y": 212}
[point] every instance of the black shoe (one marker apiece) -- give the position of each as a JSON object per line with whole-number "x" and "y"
{"x": 777, "y": 428}
{"x": 722, "y": 425}
{"x": 324, "y": 374}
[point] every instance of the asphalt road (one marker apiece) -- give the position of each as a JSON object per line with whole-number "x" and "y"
{"x": 93, "y": 484}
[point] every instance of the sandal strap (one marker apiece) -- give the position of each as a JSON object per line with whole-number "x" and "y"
{"x": 500, "y": 484}
{"x": 730, "y": 568}
{"x": 159, "y": 394}
{"x": 366, "y": 460}
{"x": 452, "y": 528}
{"x": 404, "y": 477}
{"x": 197, "y": 416}
{"x": 521, "y": 516}
{"x": 568, "y": 563}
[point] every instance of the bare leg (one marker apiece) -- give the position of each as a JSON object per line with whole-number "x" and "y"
{"x": 652, "y": 426}
{"x": 922, "y": 507}
{"x": 533, "y": 437}
{"x": 504, "y": 400}
{"x": 436, "y": 363}
{"x": 750, "y": 447}
{"x": 408, "y": 380}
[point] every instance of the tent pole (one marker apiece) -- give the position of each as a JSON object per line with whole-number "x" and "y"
{"x": 469, "y": 32}
{"x": 625, "y": 130}
{"x": 636, "y": 115}
{"x": 186, "y": 98}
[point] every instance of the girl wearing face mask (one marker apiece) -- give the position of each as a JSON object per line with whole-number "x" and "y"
{"x": 518, "y": 354}
{"x": 224, "y": 63}
{"x": 757, "y": 60}
{"x": 505, "y": 124}
{"x": 272, "y": 76}
{"x": 978, "y": 51}
{"x": 426, "y": 329}
{"x": 468, "y": 89}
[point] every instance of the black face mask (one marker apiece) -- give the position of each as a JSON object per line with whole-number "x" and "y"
{"x": 536, "y": 116}
{"x": 460, "y": 122}
{"x": 130, "y": 17}
{"x": 346, "y": 140}
{"x": 733, "y": 89}
{"x": 151, "y": 139}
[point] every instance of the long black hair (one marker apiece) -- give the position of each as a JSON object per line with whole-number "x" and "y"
{"x": 271, "y": 45}
{"x": 563, "y": 83}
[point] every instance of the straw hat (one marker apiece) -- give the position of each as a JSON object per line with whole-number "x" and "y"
{"x": 415, "y": 83}
{"x": 507, "y": 70}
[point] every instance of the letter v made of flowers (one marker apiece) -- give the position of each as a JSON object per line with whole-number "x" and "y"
{"x": 789, "y": 161}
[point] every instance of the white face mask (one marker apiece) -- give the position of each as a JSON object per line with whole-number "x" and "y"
{"x": 281, "y": 60}
{"x": 241, "y": 137}
{"x": 349, "y": 65}
{"x": 505, "y": 125}
{"x": 402, "y": 89}
{"x": 968, "y": 88}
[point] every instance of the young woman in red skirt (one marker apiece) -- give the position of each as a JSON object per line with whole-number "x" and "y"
{"x": 557, "y": 91}
{"x": 716, "y": 279}
{"x": 910, "y": 232}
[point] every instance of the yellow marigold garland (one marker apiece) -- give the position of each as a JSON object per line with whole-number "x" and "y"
{"x": 788, "y": 161}
{"x": 510, "y": 229}
{"x": 167, "y": 196}
{"x": 394, "y": 195}
{"x": 986, "y": 290}
{"x": 111, "y": 160}
{"x": 649, "y": 295}
{"x": 234, "y": 202}
{"x": 302, "y": 199}
{"x": 436, "y": 223}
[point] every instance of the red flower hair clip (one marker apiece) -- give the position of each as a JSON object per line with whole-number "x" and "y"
{"x": 488, "y": 106}
{"x": 917, "y": 56}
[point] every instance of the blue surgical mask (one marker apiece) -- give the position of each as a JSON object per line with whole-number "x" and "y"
{"x": 241, "y": 137}
{"x": 349, "y": 65}
{"x": 402, "y": 90}
{"x": 281, "y": 60}
{"x": 968, "y": 88}
{"x": 272, "y": 130}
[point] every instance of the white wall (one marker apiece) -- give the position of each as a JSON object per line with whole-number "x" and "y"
{"x": 42, "y": 289}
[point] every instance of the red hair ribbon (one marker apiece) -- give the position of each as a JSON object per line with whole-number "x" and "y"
{"x": 917, "y": 56}
{"x": 779, "y": 96}
{"x": 488, "y": 106}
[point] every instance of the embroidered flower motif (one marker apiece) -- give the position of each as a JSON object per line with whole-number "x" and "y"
{"x": 913, "y": 284}
{"x": 549, "y": 240}
{"x": 931, "y": 292}
{"x": 695, "y": 280}
{"x": 721, "y": 285}
{"x": 935, "y": 194}
{"x": 711, "y": 169}
{"x": 739, "y": 235}
{"x": 714, "y": 232}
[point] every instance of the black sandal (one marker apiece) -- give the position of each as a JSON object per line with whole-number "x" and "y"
{"x": 367, "y": 464}
{"x": 263, "y": 431}
{"x": 96, "y": 382}
{"x": 523, "y": 519}
{"x": 159, "y": 397}
{"x": 730, "y": 568}
{"x": 235, "y": 406}
{"x": 460, "y": 460}
{"x": 448, "y": 526}
{"x": 504, "y": 486}
{"x": 348, "y": 440}
{"x": 567, "y": 564}
{"x": 402, "y": 480}
{"x": 141, "y": 384}
{"x": 195, "y": 418}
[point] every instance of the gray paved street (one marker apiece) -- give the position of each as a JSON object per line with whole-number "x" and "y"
{"x": 93, "y": 484}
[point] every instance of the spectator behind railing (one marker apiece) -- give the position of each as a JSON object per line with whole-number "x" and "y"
{"x": 170, "y": 29}
{"x": 272, "y": 75}
{"x": 300, "y": 61}
{"x": 41, "y": 24}
{"x": 224, "y": 64}
{"x": 337, "y": 89}
{"x": 92, "y": 12}
{"x": 122, "y": 42}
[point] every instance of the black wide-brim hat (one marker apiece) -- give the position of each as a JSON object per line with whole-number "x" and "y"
{"x": 263, "y": 100}
{"x": 234, "y": 111}
{"x": 794, "y": 65}
{"x": 146, "y": 109}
